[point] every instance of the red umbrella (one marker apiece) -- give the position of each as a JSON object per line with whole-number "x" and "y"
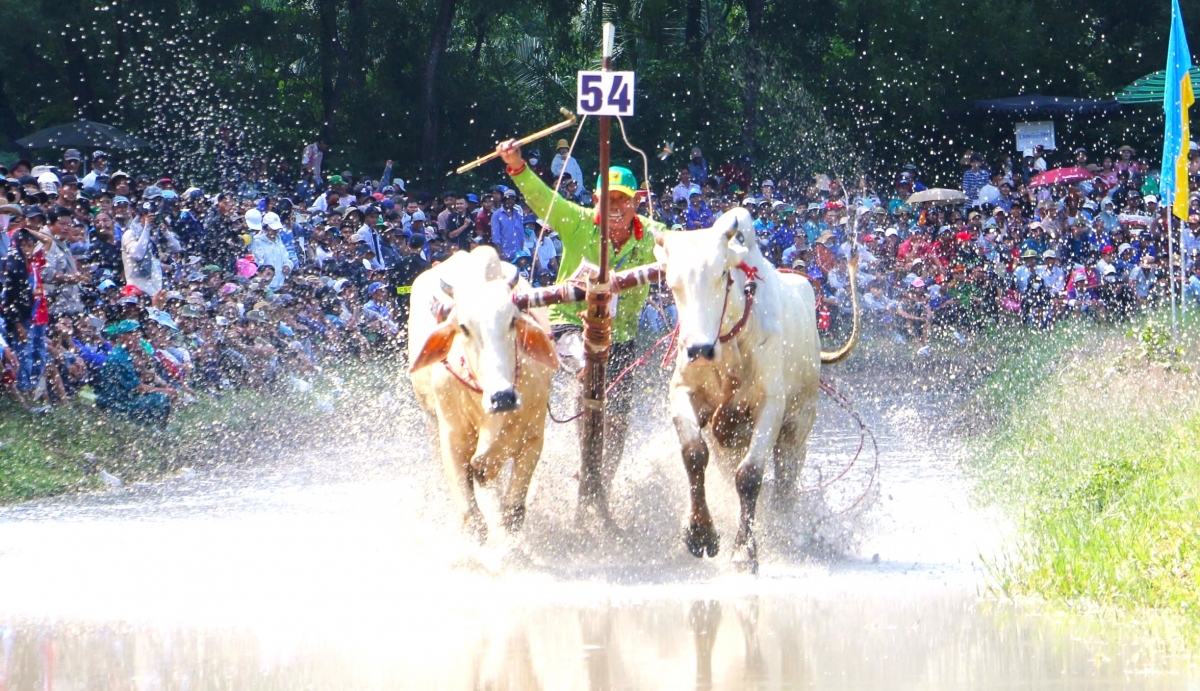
{"x": 1059, "y": 175}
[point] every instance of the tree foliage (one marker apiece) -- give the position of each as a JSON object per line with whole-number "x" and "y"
{"x": 797, "y": 86}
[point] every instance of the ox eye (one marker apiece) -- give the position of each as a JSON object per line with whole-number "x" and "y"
{"x": 513, "y": 324}
{"x": 465, "y": 332}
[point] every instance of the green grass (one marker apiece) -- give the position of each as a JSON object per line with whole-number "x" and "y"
{"x": 1094, "y": 449}
{"x": 60, "y": 452}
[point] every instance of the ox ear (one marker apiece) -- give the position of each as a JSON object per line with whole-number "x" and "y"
{"x": 436, "y": 347}
{"x": 536, "y": 343}
{"x": 512, "y": 275}
{"x": 736, "y": 246}
{"x": 447, "y": 288}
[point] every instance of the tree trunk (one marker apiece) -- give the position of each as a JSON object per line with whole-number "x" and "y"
{"x": 429, "y": 106}
{"x": 752, "y": 77}
{"x": 330, "y": 85}
{"x": 692, "y": 32}
{"x": 481, "y": 29}
{"x": 9, "y": 124}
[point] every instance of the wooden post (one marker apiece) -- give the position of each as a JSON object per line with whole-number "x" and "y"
{"x": 597, "y": 335}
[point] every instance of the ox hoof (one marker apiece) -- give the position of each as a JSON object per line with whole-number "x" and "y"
{"x": 746, "y": 541}
{"x": 476, "y": 528}
{"x": 513, "y": 518}
{"x": 702, "y": 539}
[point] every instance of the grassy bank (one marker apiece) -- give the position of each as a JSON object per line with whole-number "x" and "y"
{"x": 1092, "y": 442}
{"x": 64, "y": 450}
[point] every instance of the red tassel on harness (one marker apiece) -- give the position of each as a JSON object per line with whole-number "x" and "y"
{"x": 750, "y": 271}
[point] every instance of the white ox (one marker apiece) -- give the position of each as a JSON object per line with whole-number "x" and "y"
{"x": 482, "y": 368}
{"x": 751, "y": 379}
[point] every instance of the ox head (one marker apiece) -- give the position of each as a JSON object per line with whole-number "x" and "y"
{"x": 698, "y": 265}
{"x": 492, "y": 331}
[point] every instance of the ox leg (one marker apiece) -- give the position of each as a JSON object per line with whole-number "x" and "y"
{"x": 701, "y": 535}
{"x": 526, "y": 460}
{"x": 456, "y": 459}
{"x": 748, "y": 477}
{"x": 790, "y": 452}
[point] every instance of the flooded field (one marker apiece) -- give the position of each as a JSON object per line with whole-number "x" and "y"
{"x": 341, "y": 566}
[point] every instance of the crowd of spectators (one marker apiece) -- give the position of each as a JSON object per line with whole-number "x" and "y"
{"x": 1004, "y": 248}
{"x": 137, "y": 293}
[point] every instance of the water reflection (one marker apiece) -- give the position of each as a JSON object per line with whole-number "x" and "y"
{"x": 937, "y": 640}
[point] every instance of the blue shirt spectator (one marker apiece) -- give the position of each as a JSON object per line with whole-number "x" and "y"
{"x": 508, "y": 228}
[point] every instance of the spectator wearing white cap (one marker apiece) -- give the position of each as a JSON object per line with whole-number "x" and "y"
{"x": 768, "y": 190}
{"x": 1052, "y": 275}
{"x": 268, "y": 248}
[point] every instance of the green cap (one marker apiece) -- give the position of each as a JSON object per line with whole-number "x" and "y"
{"x": 620, "y": 179}
{"x": 336, "y": 180}
{"x": 123, "y": 327}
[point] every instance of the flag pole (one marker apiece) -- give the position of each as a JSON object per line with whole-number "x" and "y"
{"x": 1170, "y": 264}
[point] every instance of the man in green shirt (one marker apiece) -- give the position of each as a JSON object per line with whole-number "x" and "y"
{"x": 632, "y": 244}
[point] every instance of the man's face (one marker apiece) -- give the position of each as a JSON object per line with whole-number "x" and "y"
{"x": 104, "y": 227}
{"x": 100, "y": 165}
{"x": 622, "y": 209}
{"x": 35, "y": 223}
{"x": 509, "y": 202}
{"x": 685, "y": 177}
{"x": 71, "y": 165}
{"x": 224, "y": 206}
{"x": 410, "y": 208}
{"x": 61, "y": 228}
{"x": 69, "y": 194}
{"x": 460, "y": 206}
{"x": 562, "y": 151}
{"x": 121, "y": 212}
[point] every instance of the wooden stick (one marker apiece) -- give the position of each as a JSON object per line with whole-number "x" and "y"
{"x": 571, "y": 120}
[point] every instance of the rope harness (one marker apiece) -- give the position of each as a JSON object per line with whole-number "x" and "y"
{"x": 441, "y": 312}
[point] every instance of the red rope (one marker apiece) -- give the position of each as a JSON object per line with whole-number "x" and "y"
{"x": 468, "y": 379}
{"x": 645, "y": 358}
{"x": 863, "y": 432}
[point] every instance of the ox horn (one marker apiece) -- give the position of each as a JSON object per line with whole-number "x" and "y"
{"x": 447, "y": 288}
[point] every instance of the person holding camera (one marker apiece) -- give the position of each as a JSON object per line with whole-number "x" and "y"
{"x": 139, "y": 249}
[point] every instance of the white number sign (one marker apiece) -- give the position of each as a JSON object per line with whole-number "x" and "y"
{"x": 604, "y": 93}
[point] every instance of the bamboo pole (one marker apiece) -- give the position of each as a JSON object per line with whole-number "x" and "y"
{"x": 597, "y": 335}
{"x": 571, "y": 120}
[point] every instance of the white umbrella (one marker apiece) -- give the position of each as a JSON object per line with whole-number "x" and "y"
{"x": 937, "y": 195}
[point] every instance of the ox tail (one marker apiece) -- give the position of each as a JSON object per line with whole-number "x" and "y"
{"x": 836, "y": 356}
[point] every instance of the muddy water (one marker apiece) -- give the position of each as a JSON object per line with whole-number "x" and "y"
{"x": 340, "y": 567}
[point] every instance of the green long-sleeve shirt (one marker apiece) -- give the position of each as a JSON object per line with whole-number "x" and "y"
{"x": 576, "y": 227}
